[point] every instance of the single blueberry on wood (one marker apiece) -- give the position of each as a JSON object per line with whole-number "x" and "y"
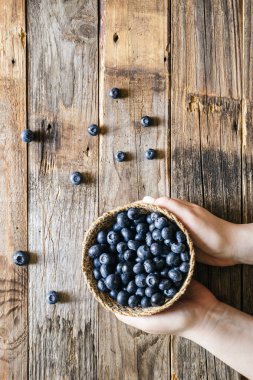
{"x": 76, "y": 178}
{"x": 120, "y": 156}
{"x": 20, "y": 258}
{"x": 114, "y": 93}
{"x": 150, "y": 154}
{"x": 146, "y": 121}
{"x": 27, "y": 136}
{"x": 93, "y": 130}
{"x": 52, "y": 297}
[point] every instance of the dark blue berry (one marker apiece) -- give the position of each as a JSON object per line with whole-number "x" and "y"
{"x": 168, "y": 242}
{"x": 141, "y": 219}
{"x": 180, "y": 236}
{"x": 152, "y": 280}
{"x": 133, "y": 301}
{"x": 156, "y": 235}
{"x": 116, "y": 227}
{"x": 170, "y": 293}
{"x": 122, "y": 247}
{"x": 161, "y": 222}
{"x": 143, "y": 252}
{"x": 138, "y": 268}
{"x": 164, "y": 272}
{"x": 149, "y": 266}
{"x": 122, "y": 298}
{"x": 184, "y": 267}
{"x": 127, "y": 234}
{"x": 129, "y": 255}
{"x": 152, "y": 227}
{"x": 93, "y": 130}
{"x": 105, "y": 270}
{"x": 133, "y": 213}
{"x": 141, "y": 236}
{"x": 142, "y": 227}
{"x": 113, "y": 281}
{"x": 149, "y": 291}
{"x": 20, "y": 258}
{"x": 167, "y": 233}
{"x": 157, "y": 299}
{"x": 95, "y": 251}
{"x": 96, "y": 262}
{"x": 178, "y": 247}
{"x": 175, "y": 275}
{"x": 131, "y": 287}
{"x": 165, "y": 284}
{"x": 113, "y": 237}
{"x": 133, "y": 244}
{"x": 105, "y": 258}
{"x": 75, "y": 178}
{"x": 113, "y": 294}
{"x": 150, "y": 154}
{"x": 113, "y": 248}
{"x": 148, "y": 219}
{"x": 120, "y": 156}
{"x": 102, "y": 237}
{"x": 140, "y": 280}
{"x": 159, "y": 263}
{"x": 140, "y": 292}
{"x": 126, "y": 278}
{"x": 173, "y": 259}
{"x": 119, "y": 267}
{"x": 97, "y": 274}
{"x": 154, "y": 216}
{"x": 123, "y": 220}
{"x": 27, "y": 136}
{"x": 149, "y": 239}
{"x": 121, "y": 256}
{"x": 178, "y": 284}
{"x": 52, "y": 297}
{"x": 114, "y": 93}
{"x": 146, "y": 121}
{"x": 156, "y": 249}
{"x": 127, "y": 267}
{"x": 145, "y": 302}
{"x": 185, "y": 256}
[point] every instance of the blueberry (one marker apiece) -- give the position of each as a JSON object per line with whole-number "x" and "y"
{"x": 113, "y": 294}
{"x": 97, "y": 274}
{"x": 175, "y": 275}
{"x": 167, "y": 233}
{"x": 178, "y": 284}
{"x": 149, "y": 239}
{"x": 119, "y": 267}
{"x": 140, "y": 292}
{"x": 127, "y": 267}
{"x": 164, "y": 272}
{"x": 185, "y": 256}
{"x": 123, "y": 220}
{"x": 133, "y": 301}
{"x": 149, "y": 266}
{"x": 141, "y": 219}
{"x": 122, "y": 247}
{"x": 75, "y": 178}
{"x": 133, "y": 244}
{"x": 150, "y": 154}
{"x": 116, "y": 227}
{"x": 156, "y": 249}
{"x": 180, "y": 236}
{"x": 140, "y": 280}
{"x": 127, "y": 234}
{"x": 142, "y": 227}
{"x": 141, "y": 236}
{"x": 121, "y": 257}
{"x": 105, "y": 270}
{"x": 178, "y": 247}
{"x": 105, "y": 258}
{"x": 27, "y": 136}
{"x": 173, "y": 259}
{"x": 114, "y": 93}
{"x": 52, "y": 297}
{"x": 131, "y": 287}
{"x": 145, "y": 302}
{"x": 113, "y": 237}
{"x": 102, "y": 237}
{"x": 156, "y": 235}
{"x": 126, "y": 278}
{"x": 170, "y": 293}
{"x": 120, "y": 156}
{"x": 148, "y": 219}
{"x": 146, "y": 121}
{"x": 20, "y": 258}
{"x": 157, "y": 299}
{"x": 152, "y": 227}
{"x": 113, "y": 281}
{"x": 101, "y": 285}
{"x": 96, "y": 262}
{"x": 133, "y": 213}
{"x": 113, "y": 248}
{"x": 143, "y": 252}
{"x": 138, "y": 268}
{"x": 93, "y": 130}
{"x": 165, "y": 284}
{"x": 95, "y": 251}
{"x": 161, "y": 222}
{"x": 150, "y": 291}
{"x": 122, "y": 298}
{"x": 152, "y": 280}
{"x": 159, "y": 263}
{"x": 154, "y": 216}
{"x": 184, "y": 267}
{"x": 168, "y": 242}
{"x": 129, "y": 255}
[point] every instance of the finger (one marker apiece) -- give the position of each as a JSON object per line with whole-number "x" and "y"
{"x": 148, "y": 199}
{"x": 176, "y": 206}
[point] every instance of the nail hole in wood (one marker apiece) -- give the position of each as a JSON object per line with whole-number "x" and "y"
{"x": 165, "y": 59}
{"x": 49, "y": 127}
{"x": 13, "y": 61}
{"x": 115, "y": 37}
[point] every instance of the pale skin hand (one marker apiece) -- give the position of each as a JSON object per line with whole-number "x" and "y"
{"x": 198, "y": 315}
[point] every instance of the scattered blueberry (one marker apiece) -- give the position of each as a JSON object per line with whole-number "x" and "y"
{"x": 93, "y": 130}
{"x": 150, "y": 154}
{"x": 27, "y": 136}
{"x": 75, "y": 178}
{"x": 120, "y": 156}
{"x": 146, "y": 121}
{"x": 20, "y": 258}
{"x": 114, "y": 93}
{"x": 52, "y": 297}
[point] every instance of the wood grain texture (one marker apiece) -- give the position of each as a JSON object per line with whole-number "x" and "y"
{"x": 134, "y": 58}
{"x": 206, "y": 143}
{"x": 13, "y": 185}
{"x": 63, "y": 101}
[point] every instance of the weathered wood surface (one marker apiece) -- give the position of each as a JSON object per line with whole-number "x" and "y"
{"x": 63, "y": 101}
{"x": 127, "y": 62}
{"x": 13, "y": 195}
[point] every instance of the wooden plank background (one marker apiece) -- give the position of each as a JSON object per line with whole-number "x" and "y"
{"x": 188, "y": 64}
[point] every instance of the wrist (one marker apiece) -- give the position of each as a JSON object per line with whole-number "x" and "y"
{"x": 242, "y": 241}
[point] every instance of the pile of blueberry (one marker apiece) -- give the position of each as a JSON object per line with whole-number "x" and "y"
{"x": 142, "y": 260}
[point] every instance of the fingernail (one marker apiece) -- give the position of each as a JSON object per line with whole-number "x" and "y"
{"x": 148, "y": 199}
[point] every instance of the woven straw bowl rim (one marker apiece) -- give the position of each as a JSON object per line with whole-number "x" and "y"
{"x": 87, "y": 265}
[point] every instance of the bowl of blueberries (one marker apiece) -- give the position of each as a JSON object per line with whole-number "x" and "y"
{"x": 137, "y": 259}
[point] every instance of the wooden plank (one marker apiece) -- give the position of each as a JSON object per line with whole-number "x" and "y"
{"x": 63, "y": 101}
{"x": 134, "y": 58}
{"x": 206, "y": 143}
{"x": 247, "y": 144}
{"x": 13, "y": 185}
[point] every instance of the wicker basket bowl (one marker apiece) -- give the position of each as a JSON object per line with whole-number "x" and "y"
{"x": 105, "y": 221}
